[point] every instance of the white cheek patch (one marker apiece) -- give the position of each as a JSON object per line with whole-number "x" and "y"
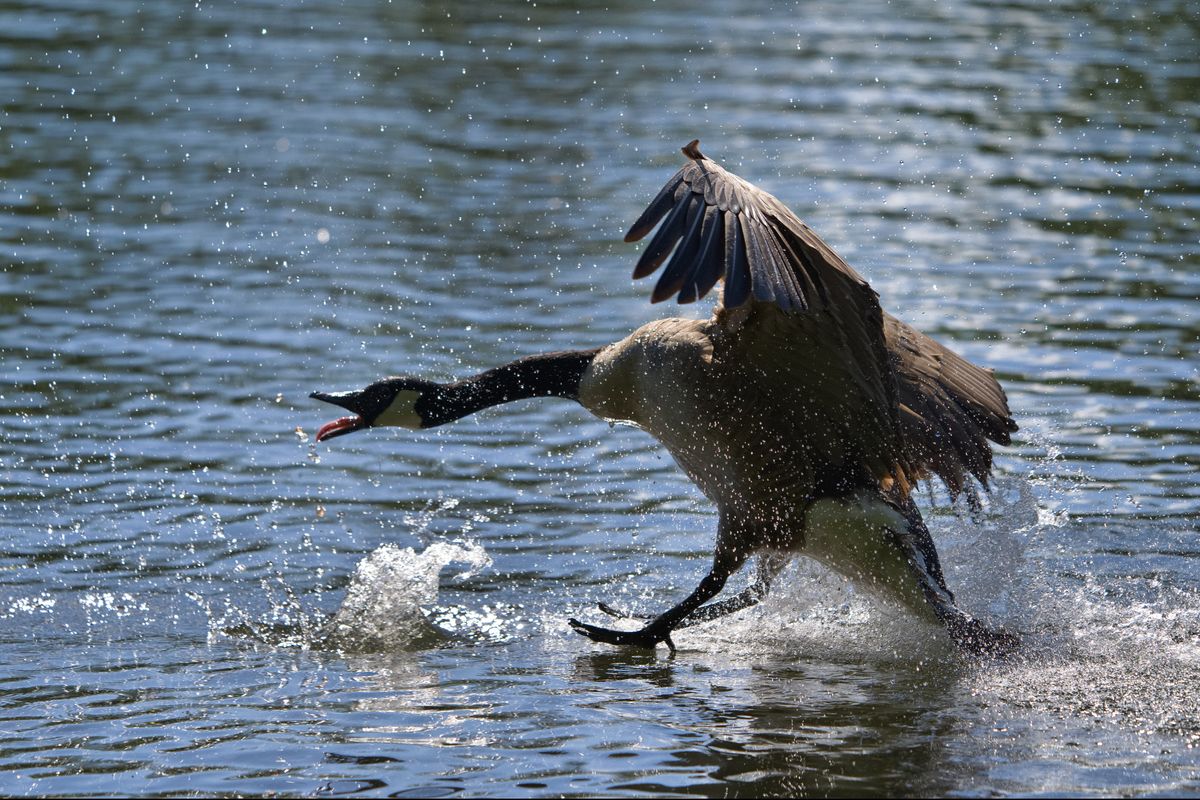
{"x": 402, "y": 413}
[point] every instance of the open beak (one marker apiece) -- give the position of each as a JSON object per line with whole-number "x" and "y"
{"x": 342, "y": 425}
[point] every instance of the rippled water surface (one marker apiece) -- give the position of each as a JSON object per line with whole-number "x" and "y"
{"x": 208, "y": 210}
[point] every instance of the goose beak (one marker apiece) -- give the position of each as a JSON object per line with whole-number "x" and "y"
{"x": 350, "y": 401}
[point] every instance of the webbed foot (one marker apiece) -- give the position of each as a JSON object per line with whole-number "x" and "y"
{"x": 646, "y": 637}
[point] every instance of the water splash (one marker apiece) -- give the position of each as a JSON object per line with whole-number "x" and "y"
{"x": 1115, "y": 662}
{"x": 990, "y": 554}
{"x": 390, "y": 604}
{"x": 1108, "y": 674}
{"x": 387, "y": 605}
{"x": 814, "y": 611}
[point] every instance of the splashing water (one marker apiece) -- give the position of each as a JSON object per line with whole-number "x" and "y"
{"x": 385, "y": 605}
{"x": 994, "y": 563}
{"x": 1113, "y": 663}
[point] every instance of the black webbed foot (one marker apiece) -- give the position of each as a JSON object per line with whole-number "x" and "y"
{"x": 646, "y": 637}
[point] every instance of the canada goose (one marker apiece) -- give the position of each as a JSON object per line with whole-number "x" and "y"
{"x": 800, "y": 408}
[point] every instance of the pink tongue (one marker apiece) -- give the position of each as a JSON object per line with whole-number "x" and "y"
{"x": 341, "y": 423}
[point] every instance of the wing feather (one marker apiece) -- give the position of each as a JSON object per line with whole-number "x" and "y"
{"x": 668, "y": 235}
{"x": 709, "y": 264}
{"x": 737, "y": 266}
{"x": 792, "y": 280}
{"x": 657, "y": 209}
{"x": 684, "y": 260}
{"x": 953, "y": 408}
{"x": 763, "y": 278}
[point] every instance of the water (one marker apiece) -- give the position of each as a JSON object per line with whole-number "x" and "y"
{"x": 209, "y": 210}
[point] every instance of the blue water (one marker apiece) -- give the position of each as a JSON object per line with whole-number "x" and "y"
{"x": 208, "y": 210}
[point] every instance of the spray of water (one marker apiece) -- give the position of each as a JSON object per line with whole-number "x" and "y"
{"x": 1122, "y": 657}
{"x": 391, "y": 595}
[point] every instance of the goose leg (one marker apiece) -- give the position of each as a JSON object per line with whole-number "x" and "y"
{"x": 726, "y": 561}
{"x": 770, "y": 564}
{"x": 968, "y": 633}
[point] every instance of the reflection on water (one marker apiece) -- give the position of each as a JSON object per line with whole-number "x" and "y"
{"x": 209, "y": 210}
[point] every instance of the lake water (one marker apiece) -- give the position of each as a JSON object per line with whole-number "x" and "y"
{"x": 210, "y": 209}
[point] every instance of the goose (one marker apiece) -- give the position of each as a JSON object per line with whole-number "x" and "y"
{"x": 801, "y": 409}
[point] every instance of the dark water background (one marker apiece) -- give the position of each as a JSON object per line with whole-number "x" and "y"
{"x": 209, "y": 209}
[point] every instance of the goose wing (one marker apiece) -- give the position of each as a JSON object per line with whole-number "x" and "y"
{"x": 727, "y": 228}
{"x": 812, "y": 323}
{"x": 949, "y": 408}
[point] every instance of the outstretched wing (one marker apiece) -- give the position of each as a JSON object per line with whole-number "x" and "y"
{"x": 727, "y": 228}
{"x": 949, "y": 408}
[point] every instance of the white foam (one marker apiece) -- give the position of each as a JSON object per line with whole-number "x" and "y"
{"x": 386, "y": 603}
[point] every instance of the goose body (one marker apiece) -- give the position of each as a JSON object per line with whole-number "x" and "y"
{"x": 802, "y": 410}
{"x": 739, "y": 434}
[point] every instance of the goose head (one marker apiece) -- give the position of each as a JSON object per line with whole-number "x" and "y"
{"x": 396, "y": 402}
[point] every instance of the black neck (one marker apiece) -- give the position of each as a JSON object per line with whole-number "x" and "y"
{"x": 545, "y": 375}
